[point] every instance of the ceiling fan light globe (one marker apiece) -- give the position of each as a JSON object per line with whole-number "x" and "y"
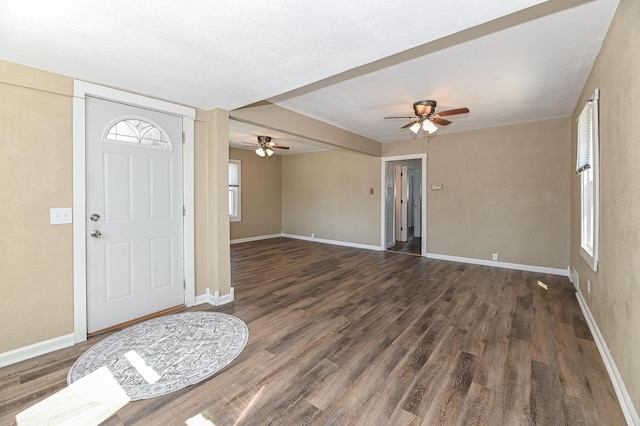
{"x": 269, "y": 152}
{"x": 260, "y": 151}
{"x": 415, "y": 128}
{"x": 428, "y": 126}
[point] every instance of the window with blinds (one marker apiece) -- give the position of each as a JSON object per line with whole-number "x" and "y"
{"x": 234, "y": 190}
{"x": 587, "y": 168}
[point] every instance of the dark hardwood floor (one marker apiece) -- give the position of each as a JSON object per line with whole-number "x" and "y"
{"x": 413, "y": 245}
{"x": 348, "y": 336}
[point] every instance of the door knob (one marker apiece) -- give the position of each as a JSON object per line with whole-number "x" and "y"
{"x": 96, "y": 234}
{"x": 94, "y": 217}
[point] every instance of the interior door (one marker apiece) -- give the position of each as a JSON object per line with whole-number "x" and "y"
{"x": 401, "y": 202}
{"x": 389, "y": 203}
{"x": 417, "y": 203}
{"x": 135, "y": 212}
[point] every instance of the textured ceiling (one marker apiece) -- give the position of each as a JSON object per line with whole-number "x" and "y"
{"x": 348, "y": 63}
{"x": 530, "y": 66}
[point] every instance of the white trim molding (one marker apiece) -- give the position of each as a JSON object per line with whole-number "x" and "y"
{"x": 505, "y": 265}
{"x": 334, "y": 242}
{"x": 215, "y": 299}
{"x": 188, "y": 159}
{"x": 40, "y": 348}
{"x": 81, "y": 89}
{"x": 424, "y": 195}
{"x": 630, "y": 413}
{"x": 258, "y": 238}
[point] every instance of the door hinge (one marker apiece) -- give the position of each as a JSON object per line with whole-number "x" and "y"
{"x": 184, "y": 283}
{"x": 184, "y": 210}
{"x": 183, "y": 137}
{"x": 401, "y": 201}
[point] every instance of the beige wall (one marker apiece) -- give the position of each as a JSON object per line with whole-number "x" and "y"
{"x": 505, "y": 191}
{"x": 261, "y": 195}
{"x": 36, "y": 258}
{"x": 327, "y": 193}
{"x": 218, "y": 256}
{"x": 36, "y": 263}
{"x": 615, "y": 288}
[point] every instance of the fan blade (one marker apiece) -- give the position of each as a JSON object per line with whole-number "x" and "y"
{"x": 406, "y": 118}
{"x": 250, "y": 143}
{"x": 409, "y": 124}
{"x": 440, "y": 121}
{"x": 453, "y": 112}
{"x": 279, "y": 147}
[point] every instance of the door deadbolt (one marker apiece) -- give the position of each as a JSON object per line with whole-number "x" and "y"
{"x": 95, "y": 217}
{"x": 96, "y": 234}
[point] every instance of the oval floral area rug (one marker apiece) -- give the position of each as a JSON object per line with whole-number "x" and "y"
{"x": 165, "y": 354}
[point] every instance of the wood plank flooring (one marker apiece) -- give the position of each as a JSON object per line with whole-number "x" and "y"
{"x": 413, "y": 245}
{"x": 342, "y": 336}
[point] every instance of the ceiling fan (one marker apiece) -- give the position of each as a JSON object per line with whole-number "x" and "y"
{"x": 266, "y": 146}
{"x": 427, "y": 118}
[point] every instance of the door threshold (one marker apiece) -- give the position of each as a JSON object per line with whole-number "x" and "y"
{"x": 138, "y": 320}
{"x": 404, "y": 252}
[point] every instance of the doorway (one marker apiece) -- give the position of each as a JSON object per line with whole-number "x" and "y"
{"x": 101, "y": 203}
{"x": 403, "y": 210}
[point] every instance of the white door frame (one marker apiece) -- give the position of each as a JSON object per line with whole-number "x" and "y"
{"x": 80, "y": 90}
{"x": 423, "y": 193}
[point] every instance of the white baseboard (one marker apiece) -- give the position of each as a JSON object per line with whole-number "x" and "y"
{"x": 215, "y": 299}
{"x": 505, "y": 265}
{"x": 334, "y": 242}
{"x": 204, "y": 298}
{"x": 227, "y": 298}
{"x": 40, "y": 348}
{"x": 630, "y": 414}
{"x": 258, "y": 238}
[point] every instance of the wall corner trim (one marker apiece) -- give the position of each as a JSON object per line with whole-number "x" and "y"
{"x": 505, "y": 265}
{"x": 36, "y": 349}
{"x": 215, "y": 299}
{"x": 628, "y": 410}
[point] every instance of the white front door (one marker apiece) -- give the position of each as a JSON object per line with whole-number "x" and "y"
{"x": 134, "y": 220}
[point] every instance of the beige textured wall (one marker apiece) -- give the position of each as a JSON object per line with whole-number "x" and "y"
{"x": 615, "y": 288}
{"x": 36, "y": 259}
{"x": 261, "y": 195}
{"x": 505, "y": 190}
{"x": 219, "y": 253}
{"x": 327, "y": 193}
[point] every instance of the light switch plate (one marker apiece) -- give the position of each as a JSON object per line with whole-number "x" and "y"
{"x": 60, "y": 216}
{"x": 436, "y": 187}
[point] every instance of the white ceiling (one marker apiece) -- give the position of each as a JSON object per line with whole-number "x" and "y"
{"x": 349, "y": 63}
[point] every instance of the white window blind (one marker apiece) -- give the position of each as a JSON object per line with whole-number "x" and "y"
{"x": 234, "y": 191}
{"x": 585, "y": 138}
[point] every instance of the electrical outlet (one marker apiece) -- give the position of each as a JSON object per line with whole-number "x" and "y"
{"x": 313, "y": 235}
{"x": 494, "y": 256}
